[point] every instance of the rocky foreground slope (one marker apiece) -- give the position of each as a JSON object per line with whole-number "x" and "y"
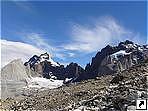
{"x": 105, "y": 93}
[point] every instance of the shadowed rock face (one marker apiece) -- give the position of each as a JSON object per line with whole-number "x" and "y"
{"x": 46, "y": 68}
{"x": 115, "y": 59}
{"x": 70, "y": 71}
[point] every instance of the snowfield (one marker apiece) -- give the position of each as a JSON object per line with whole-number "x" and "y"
{"x": 39, "y": 82}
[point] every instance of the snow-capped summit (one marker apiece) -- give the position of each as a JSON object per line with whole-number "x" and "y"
{"x": 48, "y": 58}
{"x": 38, "y": 59}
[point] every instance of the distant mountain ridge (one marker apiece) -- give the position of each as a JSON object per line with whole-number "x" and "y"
{"x": 47, "y": 68}
{"x": 115, "y": 59}
{"x": 109, "y": 60}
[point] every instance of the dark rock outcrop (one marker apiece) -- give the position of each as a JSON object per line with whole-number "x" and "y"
{"x": 111, "y": 60}
{"x": 44, "y": 66}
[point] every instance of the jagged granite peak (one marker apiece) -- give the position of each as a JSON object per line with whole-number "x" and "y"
{"x": 43, "y": 65}
{"x": 126, "y": 42}
{"x": 47, "y": 68}
{"x": 43, "y": 57}
{"x": 109, "y": 60}
{"x": 112, "y": 59}
{"x": 73, "y": 70}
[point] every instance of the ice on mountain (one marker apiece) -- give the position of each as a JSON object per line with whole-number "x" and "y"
{"x": 39, "y": 82}
{"x": 121, "y": 52}
{"x": 129, "y": 46}
{"x": 67, "y": 80}
{"x": 47, "y": 57}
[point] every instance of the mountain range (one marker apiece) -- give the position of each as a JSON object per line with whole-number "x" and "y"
{"x": 111, "y": 71}
{"x": 109, "y": 60}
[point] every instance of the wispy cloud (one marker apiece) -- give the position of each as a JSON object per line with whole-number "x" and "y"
{"x": 38, "y": 40}
{"x": 11, "y": 50}
{"x": 103, "y": 31}
{"x": 85, "y": 39}
{"x": 24, "y": 4}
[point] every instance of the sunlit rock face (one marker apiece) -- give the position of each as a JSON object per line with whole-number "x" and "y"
{"x": 17, "y": 79}
{"x": 13, "y": 78}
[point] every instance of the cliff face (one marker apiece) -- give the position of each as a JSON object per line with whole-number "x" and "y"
{"x": 13, "y": 78}
{"x": 15, "y": 70}
{"x": 16, "y": 80}
{"x": 45, "y": 66}
{"x": 115, "y": 59}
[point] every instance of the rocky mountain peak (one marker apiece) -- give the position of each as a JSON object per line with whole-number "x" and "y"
{"x": 126, "y": 42}
{"x": 112, "y": 59}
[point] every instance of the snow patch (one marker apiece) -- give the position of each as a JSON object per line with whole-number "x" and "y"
{"x": 140, "y": 49}
{"x": 51, "y": 61}
{"x": 68, "y": 79}
{"x": 39, "y": 82}
{"x": 121, "y": 52}
{"x": 113, "y": 86}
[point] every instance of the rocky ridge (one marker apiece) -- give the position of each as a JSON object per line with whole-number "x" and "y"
{"x": 47, "y": 68}
{"x": 109, "y": 60}
{"x": 113, "y": 59}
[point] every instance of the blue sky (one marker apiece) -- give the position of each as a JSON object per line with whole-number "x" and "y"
{"x": 73, "y": 31}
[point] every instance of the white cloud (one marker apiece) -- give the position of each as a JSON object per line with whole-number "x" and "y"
{"x": 13, "y": 50}
{"x": 104, "y": 31}
{"x": 39, "y": 41}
